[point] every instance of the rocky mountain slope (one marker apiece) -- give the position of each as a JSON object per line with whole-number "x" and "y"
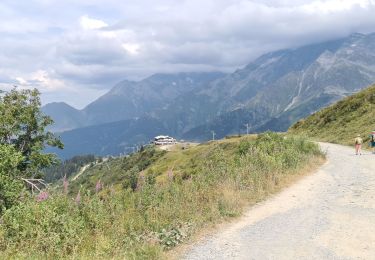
{"x": 135, "y": 99}
{"x": 294, "y": 83}
{"x": 271, "y": 93}
{"x": 129, "y": 100}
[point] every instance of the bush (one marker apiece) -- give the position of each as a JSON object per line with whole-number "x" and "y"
{"x": 47, "y": 227}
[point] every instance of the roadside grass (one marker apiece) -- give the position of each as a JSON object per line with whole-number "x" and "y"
{"x": 174, "y": 197}
{"x": 244, "y": 202}
{"x": 341, "y": 122}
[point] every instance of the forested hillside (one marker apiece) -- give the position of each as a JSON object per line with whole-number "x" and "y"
{"x": 68, "y": 167}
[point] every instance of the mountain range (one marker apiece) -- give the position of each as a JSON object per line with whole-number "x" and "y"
{"x": 129, "y": 100}
{"x": 270, "y": 93}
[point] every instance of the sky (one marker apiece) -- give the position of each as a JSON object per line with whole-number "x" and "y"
{"x": 76, "y": 50}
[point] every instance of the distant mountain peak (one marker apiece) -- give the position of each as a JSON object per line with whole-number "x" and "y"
{"x": 65, "y": 116}
{"x": 59, "y": 104}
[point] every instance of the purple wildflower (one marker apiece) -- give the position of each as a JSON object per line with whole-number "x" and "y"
{"x": 42, "y": 196}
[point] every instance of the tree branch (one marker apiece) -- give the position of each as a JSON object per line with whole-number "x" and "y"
{"x": 34, "y": 185}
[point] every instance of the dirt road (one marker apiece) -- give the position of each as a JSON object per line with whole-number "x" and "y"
{"x": 327, "y": 215}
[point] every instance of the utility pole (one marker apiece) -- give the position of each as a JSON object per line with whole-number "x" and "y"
{"x": 213, "y": 135}
{"x": 247, "y": 128}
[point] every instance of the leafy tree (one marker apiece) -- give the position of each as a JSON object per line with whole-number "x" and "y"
{"x": 23, "y": 137}
{"x": 23, "y": 125}
{"x": 10, "y": 185}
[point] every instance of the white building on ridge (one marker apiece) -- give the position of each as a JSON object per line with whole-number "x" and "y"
{"x": 164, "y": 140}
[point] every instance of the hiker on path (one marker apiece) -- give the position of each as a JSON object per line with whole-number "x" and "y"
{"x": 358, "y": 144}
{"x": 372, "y": 141}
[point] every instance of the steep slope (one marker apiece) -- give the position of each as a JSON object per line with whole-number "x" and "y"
{"x": 183, "y": 161}
{"x": 65, "y": 117}
{"x": 336, "y": 72}
{"x": 341, "y": 122}
{"x": 135, "y": 99}
{"x": 214, "y": 107}
{"x": 130, "y": 99}
{"x": 236, "y": 90}
{"x": 291, "y": 84}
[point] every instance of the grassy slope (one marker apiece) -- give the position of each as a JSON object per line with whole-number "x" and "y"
{"x": 175, "y": 195}
{"x": 182, "y": 162}
{"x": 341, "y": 122}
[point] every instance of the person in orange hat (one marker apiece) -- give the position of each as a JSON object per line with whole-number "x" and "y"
{"x": 358, "y": 144}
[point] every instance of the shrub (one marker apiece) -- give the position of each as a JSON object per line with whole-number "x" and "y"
{"x": 47, "y": 227}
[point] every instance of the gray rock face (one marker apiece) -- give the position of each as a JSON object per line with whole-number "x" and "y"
{"x": 135, "y": 99}
{"x": 337, "y": 72}
{"x": 284, "y": 86}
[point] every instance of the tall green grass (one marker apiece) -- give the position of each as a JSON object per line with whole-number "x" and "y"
{"x": 341, "y": 122}
{"x": 158, "y": 215}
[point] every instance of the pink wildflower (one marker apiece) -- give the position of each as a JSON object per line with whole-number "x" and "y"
{"x": 98, "y": 186}
{"x": 42, "y": 196}
{"x": 65, "y": 185}
{"x": 78, "y": 198}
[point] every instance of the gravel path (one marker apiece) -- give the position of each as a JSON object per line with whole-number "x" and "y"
{"x": 327, "y": 215}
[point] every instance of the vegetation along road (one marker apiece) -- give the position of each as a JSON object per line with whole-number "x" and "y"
{"x": 327, "y": 215}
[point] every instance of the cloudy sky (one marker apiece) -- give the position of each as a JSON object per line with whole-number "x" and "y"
{"x": 75, "y": 50}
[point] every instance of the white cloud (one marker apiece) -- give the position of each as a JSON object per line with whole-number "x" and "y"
{"x": 91, "y": 45}
{"x": 21, "y": 81}
{"x": 131, "y": 48}
{"x": 88, "y": 23}
{"x": 334, "y": 6}
{"x": 40, "y": 79}
{"x": 47, "y": 82}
